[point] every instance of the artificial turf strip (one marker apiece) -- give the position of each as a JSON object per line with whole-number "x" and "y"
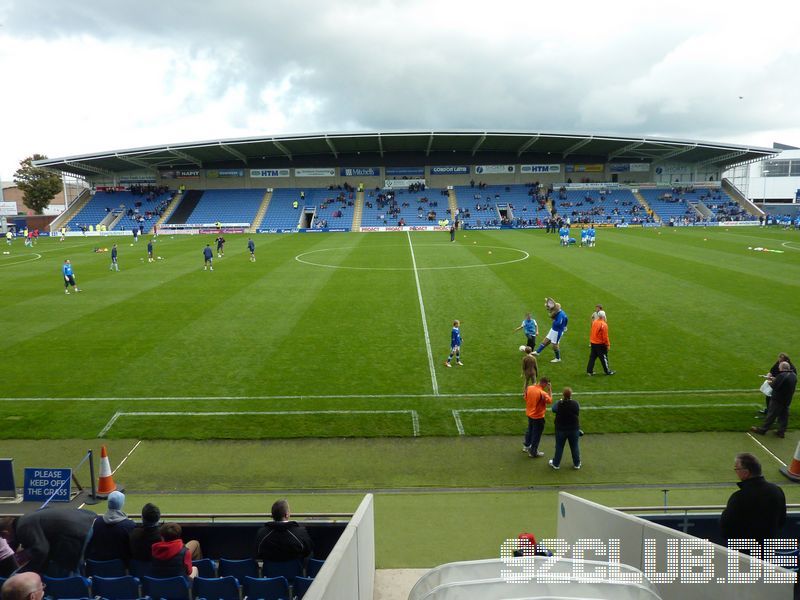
{"x": 359, "y": 465}
{"x": 683, "y": 313}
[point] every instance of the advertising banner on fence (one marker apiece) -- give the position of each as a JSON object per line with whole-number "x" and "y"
{"x": 401, "y": 184}
{"x": 41, "y": 483}
{"x": 406, "y": 228}
{"x": 405, "y": 172}
{"x": 261, "y": 173}
{"x": 454, "y": 170}
{"x": 315, "y": 172}
{"x": 640, "y": 167}
{"x": 8, "y": 208}
{"x": 221, "y": 173}
{"x": 495, "y": 169}
{"x": 360, "y": 171}
{"x": 594, "y": 168}
{"x": 181, "y": 174}
{"x": 540, "y": 169}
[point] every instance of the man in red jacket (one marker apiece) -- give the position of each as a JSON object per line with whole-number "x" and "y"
{"x": 598, "y": 339}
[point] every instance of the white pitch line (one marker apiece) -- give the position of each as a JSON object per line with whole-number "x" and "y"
{"x": 26, "y": 259}
{"x": 111, "y": 421}
{"x": 413, "y": 413}
{"x": 127, "y": 456}
{"x": 431, "y": 366}
{"x": 672, "y": 392}
{"x": 460, "y": 425}
{"x": 767, "y": 450}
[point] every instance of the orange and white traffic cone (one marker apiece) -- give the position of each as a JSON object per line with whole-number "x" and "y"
{"x": 105, "y": 483}
{"x": 793, "y": 471}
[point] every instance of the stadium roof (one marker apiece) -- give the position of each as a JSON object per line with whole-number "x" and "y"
{"x": 409, "y": 147}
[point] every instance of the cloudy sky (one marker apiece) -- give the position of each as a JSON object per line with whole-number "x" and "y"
{"x": 91, "y": 75}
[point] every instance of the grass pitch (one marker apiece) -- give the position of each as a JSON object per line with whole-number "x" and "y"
{"x": 324, "y": 335}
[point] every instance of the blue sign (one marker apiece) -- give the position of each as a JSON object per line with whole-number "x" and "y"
{"x": 405, "y": 172}
{"x": 359, "y": 172}
{"x": 449, "y": 170}
{"x": 7, "y": 487}
{"x": 42, "y": 484}
{"x": 797, "y": 196}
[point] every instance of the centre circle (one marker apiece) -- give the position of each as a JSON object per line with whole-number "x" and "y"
{"x": 310, "y": 258}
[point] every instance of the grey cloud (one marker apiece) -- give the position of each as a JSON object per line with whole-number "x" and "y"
{"x": 392, "y": 75}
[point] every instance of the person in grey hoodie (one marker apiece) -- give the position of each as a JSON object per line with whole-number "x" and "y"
{"x": 111, "y": 532}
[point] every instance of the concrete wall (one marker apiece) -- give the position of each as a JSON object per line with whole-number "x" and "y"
{"x": 579, "y": 519}
{"x": 349, "y": 570}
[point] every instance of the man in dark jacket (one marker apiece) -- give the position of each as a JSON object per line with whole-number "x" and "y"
{"x": 282, "y": 539}
{"x": 111, "y": 532}
{"x": 758, "y": 510}
{"x": 567, "y": 429}
{"x": 783, "y": 387}
{"x": 145, "y": 535}
{"x": 53, "y": 540}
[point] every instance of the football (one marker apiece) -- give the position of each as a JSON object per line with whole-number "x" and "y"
{"x": 522, "y": 348}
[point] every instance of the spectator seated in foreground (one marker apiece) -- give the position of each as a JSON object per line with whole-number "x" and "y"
{"x": 282, "y": 539}
{"x": 171, "y": 558}
{"x": 145, "y": 535}
{"x": 111, "y": 532}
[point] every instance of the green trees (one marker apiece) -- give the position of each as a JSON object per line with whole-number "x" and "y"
{"x": 38, "y": 185}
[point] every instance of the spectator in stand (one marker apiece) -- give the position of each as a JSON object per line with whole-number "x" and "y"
{"x": 145, "y": 535}
{"x": 24, "y": 586}
{"x": 111, "y": 532}
{"x": 53, "y": 540}
{"x": 757, "y": 511}
{"x": 173, "y": 558}
{"x": 282, "y": 539}
{"x": 8, "y": 563}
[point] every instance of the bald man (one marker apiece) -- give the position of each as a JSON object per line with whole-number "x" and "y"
{"x": 25, "y": 586}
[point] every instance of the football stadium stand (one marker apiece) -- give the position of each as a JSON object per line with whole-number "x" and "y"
{"x": 120, "y": 211}
{"x": 316, "y": 208}
{"x": 388, "y": 208}
{"x": 227, "y": 206}
{"x": 487, "y": 206}
{"x": 612, "y": 205}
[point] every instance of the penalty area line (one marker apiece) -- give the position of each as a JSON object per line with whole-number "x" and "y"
{"x": 412, "y": 413}
{"x": 460, "y": 424}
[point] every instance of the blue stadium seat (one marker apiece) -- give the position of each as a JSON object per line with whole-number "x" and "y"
{"x": 116, "y": 588}
{"x": 105, "y": 568}
{"x": 66, "y": 587}
{"x": 266, "y": 588}
{"x": 288, "y": 569}
{"x": 169, "y": 588}
{"x": 216, "y": 588}
{"x": 205, "y": 567}
{"x": 140, "y": 568}
{"x": 301, "y": 585}
{"x": 238, "y": 568}
{"x": 313, "y": 567}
